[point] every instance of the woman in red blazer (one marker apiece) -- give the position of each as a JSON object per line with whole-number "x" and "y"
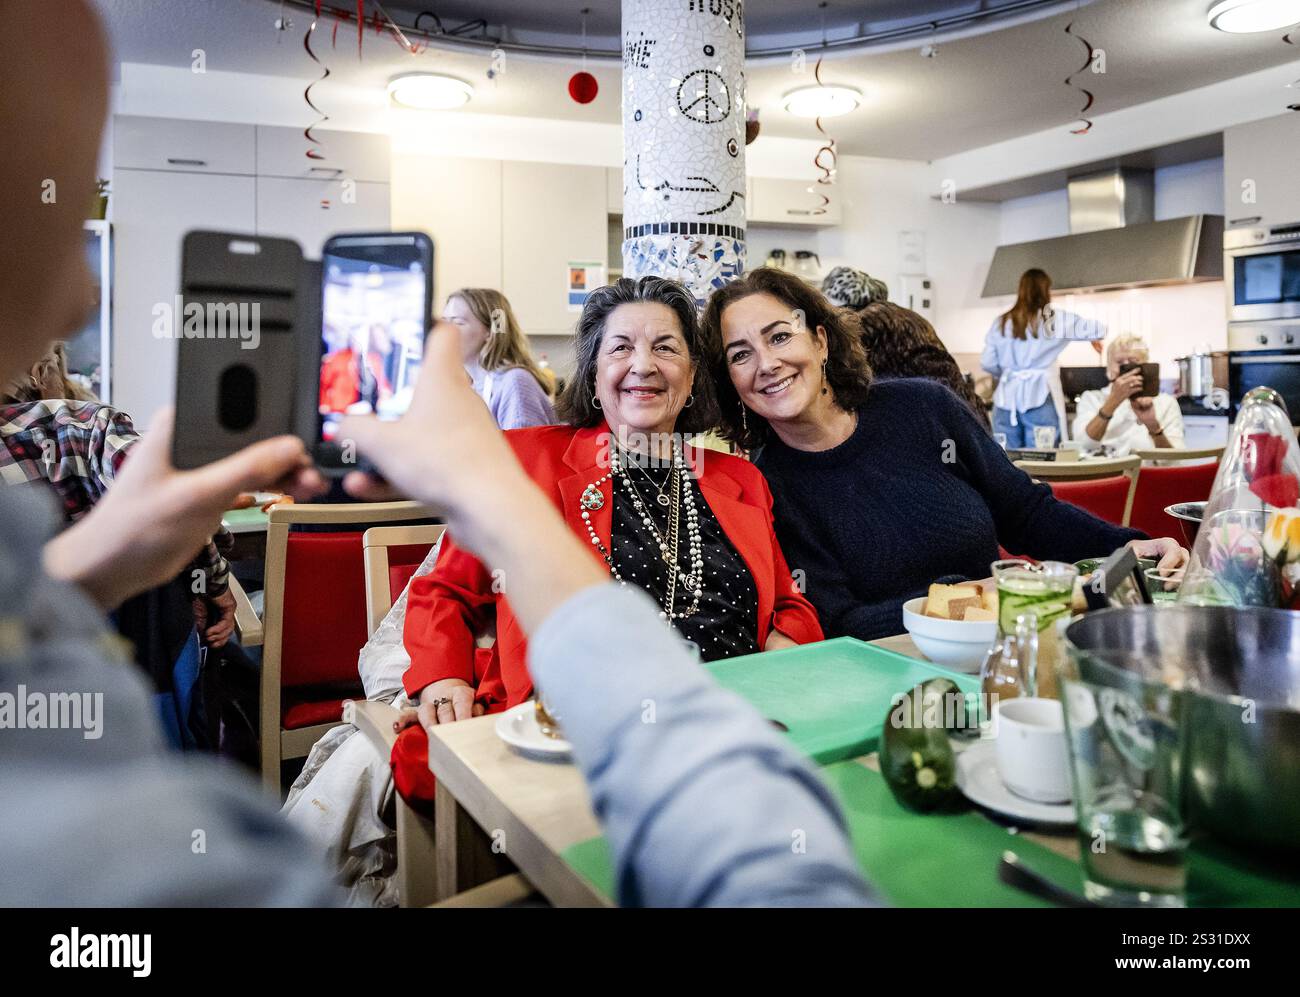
{"x": 623, "y": 478}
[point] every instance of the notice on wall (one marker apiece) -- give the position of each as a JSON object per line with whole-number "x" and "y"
{"x": 584, "y": 277}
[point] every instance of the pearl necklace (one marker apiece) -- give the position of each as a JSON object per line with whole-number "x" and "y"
{"x": 592, "y": 499}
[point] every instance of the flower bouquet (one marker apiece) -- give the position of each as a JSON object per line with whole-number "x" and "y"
{"x": 1248, "y": 549}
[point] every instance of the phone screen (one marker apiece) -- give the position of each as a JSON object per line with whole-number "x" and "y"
{"x": 375, "y": 299}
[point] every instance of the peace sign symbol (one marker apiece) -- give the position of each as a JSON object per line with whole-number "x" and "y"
{"x": 703, "y": 96}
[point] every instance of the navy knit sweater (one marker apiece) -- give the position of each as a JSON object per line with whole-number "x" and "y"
{"x": 919, "y": 493}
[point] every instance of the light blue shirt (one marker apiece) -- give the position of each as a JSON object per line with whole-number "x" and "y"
{"x": 97, "y": 811}
{"x": 702, "y": 801}
{"x": 1022, "y": 365}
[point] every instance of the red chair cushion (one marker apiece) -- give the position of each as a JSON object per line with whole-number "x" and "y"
{"x": 1159, "y": 487}
{"x": 1104, "y": 498}
{"x": 324, "y": 609}
{"x": 402, "y": 564}
{"x": 304, "y": 712}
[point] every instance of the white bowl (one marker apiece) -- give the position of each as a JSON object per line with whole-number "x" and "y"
{"x": 956, "y": 644}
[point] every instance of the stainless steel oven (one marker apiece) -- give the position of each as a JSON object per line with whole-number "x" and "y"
{"x": 1265, "y": 354}
{"x": 1261, "y": 267}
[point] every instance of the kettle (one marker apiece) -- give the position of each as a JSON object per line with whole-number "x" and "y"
{"x": 803, "y": 266}
{"x": 775, "y": 259}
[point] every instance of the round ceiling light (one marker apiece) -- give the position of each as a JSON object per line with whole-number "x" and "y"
{"x": 429, "y": 91}
{"x": 822, "y": 102}
{"x": 1245, "y": 16}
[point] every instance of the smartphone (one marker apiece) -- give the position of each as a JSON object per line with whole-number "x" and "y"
{"x": 1150, "y": 378}
{"x": 375, "y": 305}
{"x": 234, "y": 320}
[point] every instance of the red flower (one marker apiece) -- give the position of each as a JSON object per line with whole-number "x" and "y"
{"x": 1264, "y": 453}
{"x": 1280, "y": 490}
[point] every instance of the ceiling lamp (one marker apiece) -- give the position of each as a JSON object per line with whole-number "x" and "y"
{"x": 1245, "y": 16}
{"x": 429, "y": 91}
{"x": 822, "y": 102}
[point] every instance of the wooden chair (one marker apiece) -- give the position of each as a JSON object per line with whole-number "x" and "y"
{"x": 1173, "y": 455}
{"x": 1160, "y": 487}
{"x": 419, "y": 882}
{"x": 1103, "y": 487}
{"x": 313, "y": 624}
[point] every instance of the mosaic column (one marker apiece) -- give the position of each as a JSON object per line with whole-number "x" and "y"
{"x": 684, "y": 141}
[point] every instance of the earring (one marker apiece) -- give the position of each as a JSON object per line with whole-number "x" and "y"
{"x": 690, "y": 400}
{"x": 595, "y": 401}
{"x": 744, "y": 423}
{"x": 825, "y": 389}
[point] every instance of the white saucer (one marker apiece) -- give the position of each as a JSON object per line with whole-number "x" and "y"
{"x": 977, "y": 777}
{"x": 518, "y": 728}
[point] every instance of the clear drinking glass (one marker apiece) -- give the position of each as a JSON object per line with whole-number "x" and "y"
{"x": 1126, "y": 740}
{"x": 1163, "y": 586}
{"x": 1043, "y": 589}
{"x": 1044, "y": 437}
{"x": 1000, "y": 439}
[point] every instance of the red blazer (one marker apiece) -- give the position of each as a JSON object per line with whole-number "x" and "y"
{"x": 447, "y": 608}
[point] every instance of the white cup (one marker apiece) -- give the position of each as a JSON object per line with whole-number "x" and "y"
{"x": 1031, "y": 751}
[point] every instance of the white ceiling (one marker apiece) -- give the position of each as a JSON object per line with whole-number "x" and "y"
{"x": 977, "y": 90}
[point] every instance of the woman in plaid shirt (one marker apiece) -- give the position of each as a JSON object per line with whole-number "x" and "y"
{"x": 57, "y": 432}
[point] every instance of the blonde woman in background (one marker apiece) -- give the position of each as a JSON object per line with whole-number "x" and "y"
{"x": 1119, "y": 417}
{"x": 497, "y": 358}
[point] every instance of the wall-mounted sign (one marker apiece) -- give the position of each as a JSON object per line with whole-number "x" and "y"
{"x": 583, "y": 279}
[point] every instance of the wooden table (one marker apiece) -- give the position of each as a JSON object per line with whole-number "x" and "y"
{"x": 536, "y": 810}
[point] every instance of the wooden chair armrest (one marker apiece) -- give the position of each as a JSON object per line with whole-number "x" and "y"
{"x": 247, "y": 623}
{"x": 375, "y": 721}
{"x": 500, "y": 892}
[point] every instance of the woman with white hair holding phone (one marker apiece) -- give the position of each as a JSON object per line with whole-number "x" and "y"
{"x": 1122, "y": 417}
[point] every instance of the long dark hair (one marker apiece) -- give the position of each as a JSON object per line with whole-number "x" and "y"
{"x": 847, "y": 370}
{"x": 576, "y": 403}
{"x": 902, "y": 343}
{"x": 1033, "y": 297}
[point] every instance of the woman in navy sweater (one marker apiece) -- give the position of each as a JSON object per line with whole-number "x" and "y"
{"x": 879, "y": 488}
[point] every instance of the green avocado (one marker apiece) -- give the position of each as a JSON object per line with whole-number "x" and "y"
{"x": 915, "y": 757}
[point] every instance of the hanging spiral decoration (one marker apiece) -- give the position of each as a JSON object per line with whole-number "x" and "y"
{"x": 322, "y": 117}
{"x": 1069, "y": 82}
{"x": 825, "y": 157}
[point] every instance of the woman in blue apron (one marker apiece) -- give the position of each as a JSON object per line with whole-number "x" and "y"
{"x": 1020, "y": 350}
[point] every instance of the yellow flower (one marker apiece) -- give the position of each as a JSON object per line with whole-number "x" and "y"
{"x": 1283, "y": 534}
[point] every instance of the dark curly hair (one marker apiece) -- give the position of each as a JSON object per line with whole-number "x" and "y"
{"x": 847, "y": 371}
{"x": 901, "y": 343}
{"x": 575, "y": 404}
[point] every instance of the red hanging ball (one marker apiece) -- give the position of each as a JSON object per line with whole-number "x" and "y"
{"x": 583, "y": 87}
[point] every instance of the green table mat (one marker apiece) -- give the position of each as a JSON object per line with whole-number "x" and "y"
{"x": 253, "y": 516}
{"x": 833, "y": 696}
{"x": 950, "y": 860}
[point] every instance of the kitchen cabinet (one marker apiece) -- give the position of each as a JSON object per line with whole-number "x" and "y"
{"x": 550, "y": 220}
{"x": 171, "y": 176}
{"x": 361, "y": 156}
{"x": 152, "y": 211}
{"x": 458, "y": 202}
{"x": 791, "y": 202}
{"x": 141, "y": 143}
{"x": 1262, "y": 155}
{"x": 310, "y": 211}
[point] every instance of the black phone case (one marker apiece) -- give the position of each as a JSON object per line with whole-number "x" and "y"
{"x": 235, "y": 390}
{"x": 1150, "y": 378}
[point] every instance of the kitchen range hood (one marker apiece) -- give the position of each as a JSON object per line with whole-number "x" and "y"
{"x": 1114, "y": 242}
